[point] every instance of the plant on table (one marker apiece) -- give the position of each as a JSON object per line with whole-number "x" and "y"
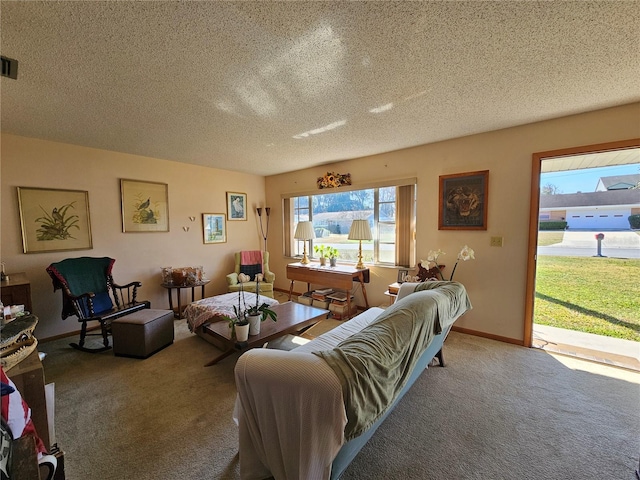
{"x": 321, "y": 250}
{"x": 239, "y": 311}
{"x": 263, "y": 310}
{"x": 465, "y": 254}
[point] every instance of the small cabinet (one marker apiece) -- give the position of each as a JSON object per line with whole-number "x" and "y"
{"x": 16, "y": 291}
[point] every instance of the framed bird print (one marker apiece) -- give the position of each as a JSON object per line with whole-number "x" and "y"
{"x": 54, "y": 220}
{"x": 145, "y": 206}
{"x": 236, "y": 206}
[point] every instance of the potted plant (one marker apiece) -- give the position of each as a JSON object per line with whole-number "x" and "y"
{"x": 240, "y": 325}
{"x": 258, "y": 313}
{"x": 321, "y": 251}
{"x": 332, "y": 253}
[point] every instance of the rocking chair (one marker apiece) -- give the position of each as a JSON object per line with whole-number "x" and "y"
{"x": 85, "y": 284}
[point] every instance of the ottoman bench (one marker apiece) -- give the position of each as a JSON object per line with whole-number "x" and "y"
{"x": 142, "y": 333}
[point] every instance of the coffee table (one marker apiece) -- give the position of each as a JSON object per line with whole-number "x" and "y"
{"x": 292, "y": 317}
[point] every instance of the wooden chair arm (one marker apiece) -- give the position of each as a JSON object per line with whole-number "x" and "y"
{"x": 128, "y": 285}
{"x": 125, "y": 294}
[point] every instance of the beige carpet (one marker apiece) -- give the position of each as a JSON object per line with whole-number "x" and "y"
{"x": 496, "y": 411}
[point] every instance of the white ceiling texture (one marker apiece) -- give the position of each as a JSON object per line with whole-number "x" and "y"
{"x": 270, "y": 87}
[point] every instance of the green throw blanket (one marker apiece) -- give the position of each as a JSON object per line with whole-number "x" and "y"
{"x": 375, "y": 364}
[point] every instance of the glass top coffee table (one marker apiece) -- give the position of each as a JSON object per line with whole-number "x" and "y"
{"x": 292, "y": 317}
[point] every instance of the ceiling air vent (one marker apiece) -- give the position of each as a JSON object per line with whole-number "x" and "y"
{"x": 9, "y": 68}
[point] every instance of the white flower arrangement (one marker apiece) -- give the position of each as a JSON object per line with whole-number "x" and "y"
{"x": 465, "y": 254}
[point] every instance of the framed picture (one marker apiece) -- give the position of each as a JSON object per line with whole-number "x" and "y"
{"x": 214, "y": 227}
{"x": 53, "y": 220}
{"x": 401, "y": 275}
{"x": 236, "y": 206}
{"x": 145, "y": 206}
{"x": 463, "y": 201}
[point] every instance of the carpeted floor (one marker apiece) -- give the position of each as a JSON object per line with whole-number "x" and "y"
{"x": 495, "y": 411}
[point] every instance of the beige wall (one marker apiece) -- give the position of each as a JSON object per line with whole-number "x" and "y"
{"x": 496, "y": 279}
{"x": 193, "y": 190}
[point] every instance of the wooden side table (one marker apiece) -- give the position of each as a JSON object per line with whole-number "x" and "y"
{"x": 16, "y": 291}
{"x": 177, "y": 313}
{"x": 392, "y": 292}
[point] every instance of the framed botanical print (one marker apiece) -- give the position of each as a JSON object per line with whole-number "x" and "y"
{"x": 53, "y": 219}
{"x": 463, "y": 201}
{"x": 145, "y": 206}
{"x": 214, "y": 227}
{"x": 236, "y": 206}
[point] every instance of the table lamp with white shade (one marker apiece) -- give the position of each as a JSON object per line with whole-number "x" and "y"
{"x": 304, "y": 232}
{"x": 360, "y": 231}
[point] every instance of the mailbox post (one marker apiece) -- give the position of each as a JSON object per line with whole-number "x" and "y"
{"x": 599, "y": 238}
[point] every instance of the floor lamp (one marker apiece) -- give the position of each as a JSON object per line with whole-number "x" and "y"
{"x": 304, "y": 232}
{"x": 360, "y": 231}
{"x": 264, "y": 235}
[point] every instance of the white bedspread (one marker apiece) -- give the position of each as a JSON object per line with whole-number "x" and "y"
{"x": 212, "y": 308}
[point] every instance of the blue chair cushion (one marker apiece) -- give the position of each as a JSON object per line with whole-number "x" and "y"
{"x": 101, "y": 303}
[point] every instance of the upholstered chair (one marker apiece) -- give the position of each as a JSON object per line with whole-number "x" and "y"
{"x": 251, "y": 269}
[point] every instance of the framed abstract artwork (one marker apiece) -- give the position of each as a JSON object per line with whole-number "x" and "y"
{"x": 145, "y": 206}
{"x": 236, "y": 206}
{"x": 54, "y": 220}
{"x": 214, "y": 227}
{"x": 463, "y": 201}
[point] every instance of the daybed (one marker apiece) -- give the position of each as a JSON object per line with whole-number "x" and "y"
{"x": 306, "y": 413}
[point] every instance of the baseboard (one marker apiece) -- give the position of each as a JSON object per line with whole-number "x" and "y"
{"x": 74, "y": 333}
{"x": 490, "y": 336}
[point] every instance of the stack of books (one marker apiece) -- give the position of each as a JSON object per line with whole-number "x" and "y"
{"x": 320, "y": 297}
{"x": 305, "y": 298}
{"x": 338, "y": 306}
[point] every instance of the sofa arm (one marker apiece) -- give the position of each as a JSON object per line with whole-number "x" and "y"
{"x": 290, "y": 414}
{"x": 232, "y": 279}
{"x": 406, "y": 289}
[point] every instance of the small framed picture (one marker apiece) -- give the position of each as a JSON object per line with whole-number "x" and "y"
{"x": 463, "y": 201}
{"x": 145, "y": 206}
{"x": 214, "y": 226}
{"x": 402, "y": 274}
{"x": 236, "y": 206}
{"x": 53, "y": 220}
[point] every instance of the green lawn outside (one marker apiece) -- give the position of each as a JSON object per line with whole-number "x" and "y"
{"x": 587, "y": 294}
{"x": 551, "y": 237}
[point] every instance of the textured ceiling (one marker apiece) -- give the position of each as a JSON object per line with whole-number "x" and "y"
{"x": 266, "y": 87}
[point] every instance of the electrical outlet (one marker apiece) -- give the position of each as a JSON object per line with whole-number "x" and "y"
{"x": 496, "y": 242}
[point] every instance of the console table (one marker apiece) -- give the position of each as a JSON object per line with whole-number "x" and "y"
{"x": 170, "y": 286}
{"x": 340, "y": 277}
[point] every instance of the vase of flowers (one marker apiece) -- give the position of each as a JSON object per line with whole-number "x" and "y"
{"x": 465, "y": 254}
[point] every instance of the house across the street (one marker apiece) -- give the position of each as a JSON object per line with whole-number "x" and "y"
{"x": 607, "y": 209}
